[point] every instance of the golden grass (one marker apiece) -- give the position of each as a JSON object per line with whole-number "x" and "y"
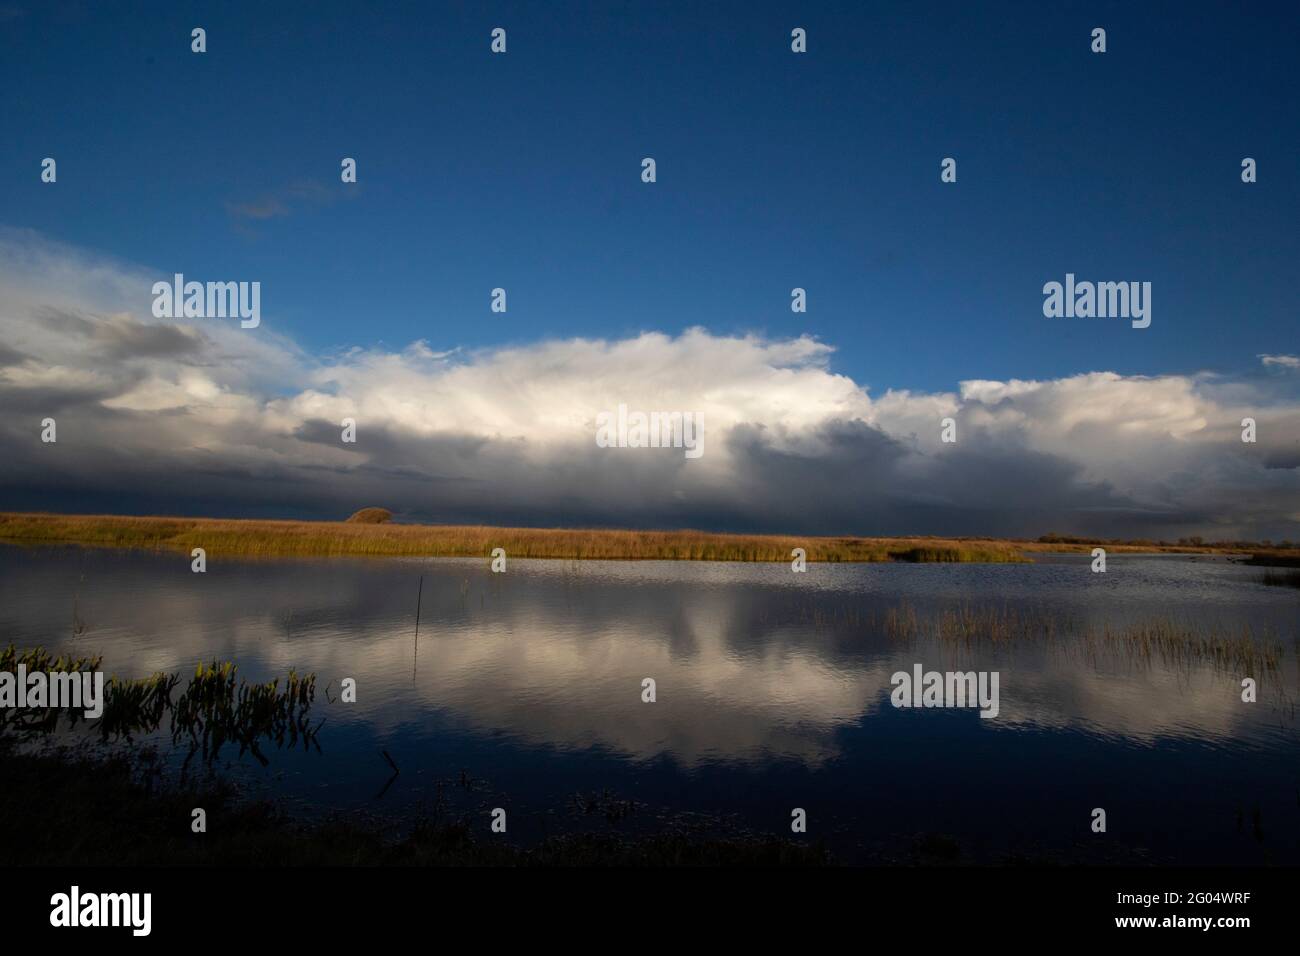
{"x": 325, "y": 538}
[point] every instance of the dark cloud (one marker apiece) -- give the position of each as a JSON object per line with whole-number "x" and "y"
{"x": 126, "y": 340}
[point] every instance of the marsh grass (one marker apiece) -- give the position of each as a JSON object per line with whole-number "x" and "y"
{"x": 1172, "y": 643}
{"x": 322, "y": 538}
{"x": 972, "y": 625}
{"x": 1175, "y": 644}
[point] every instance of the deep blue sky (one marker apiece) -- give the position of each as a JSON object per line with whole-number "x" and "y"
{"x": 775, "y": 170}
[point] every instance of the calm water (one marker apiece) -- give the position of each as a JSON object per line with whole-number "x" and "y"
{"x": 773, "y": 693}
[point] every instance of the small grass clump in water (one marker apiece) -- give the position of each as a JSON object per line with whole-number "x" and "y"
{"x": 1181, "y": 645}
{"x": 971, "y": 624}
{"x": 1173, "y": 643}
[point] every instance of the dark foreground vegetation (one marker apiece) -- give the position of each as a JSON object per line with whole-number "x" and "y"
{"x": 73, "y": 809}
{"x": 69, "y": 809}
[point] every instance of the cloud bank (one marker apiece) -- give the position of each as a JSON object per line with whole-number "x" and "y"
{"x": 202, "y": 417}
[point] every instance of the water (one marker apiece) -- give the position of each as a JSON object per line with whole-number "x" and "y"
{"x": 524, "y": 692}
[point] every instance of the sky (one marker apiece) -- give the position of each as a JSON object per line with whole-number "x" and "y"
{"x": 774, "y": 170}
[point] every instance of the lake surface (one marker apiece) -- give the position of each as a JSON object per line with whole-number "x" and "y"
{"x": 524, "y": 691}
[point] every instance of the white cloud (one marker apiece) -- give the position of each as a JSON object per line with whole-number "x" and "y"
{"x": 245, "y": 421}
{"x": 1285, "y": 361}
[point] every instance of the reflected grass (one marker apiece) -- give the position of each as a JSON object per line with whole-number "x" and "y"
{"x": 1173, "y": 643}
{"x": 216, "y": 708}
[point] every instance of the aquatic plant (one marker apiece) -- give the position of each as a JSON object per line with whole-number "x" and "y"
{"x": 136, "y": 706}
{"x": 215, "y": 711}
{"x": 1178, "y": 644}
{"x": 901, "y": 623}
{"x": 1172, "y": 642}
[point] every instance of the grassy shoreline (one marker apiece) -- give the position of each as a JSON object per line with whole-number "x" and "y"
{"x": 276, "y": 538}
